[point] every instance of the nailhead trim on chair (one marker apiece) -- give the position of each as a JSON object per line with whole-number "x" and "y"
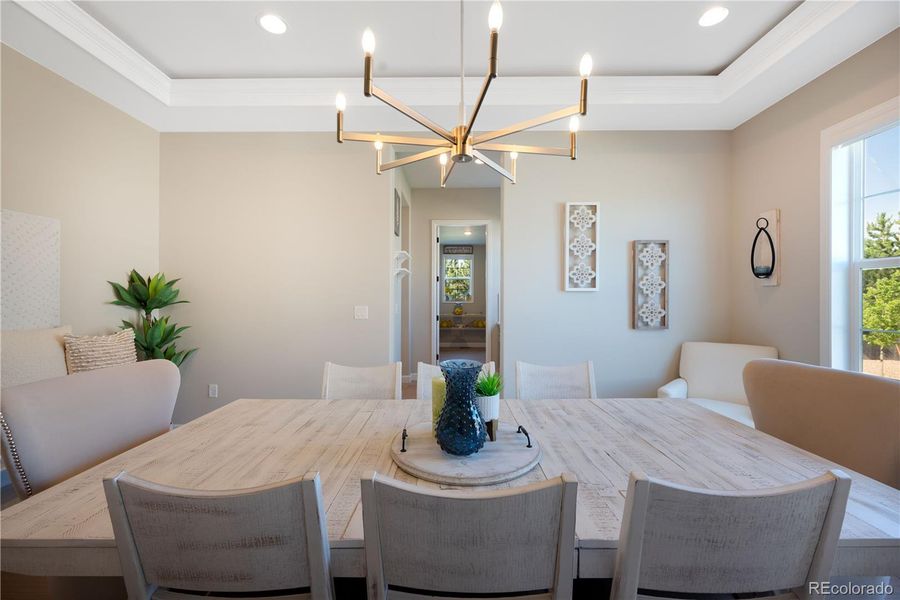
{"x": 15, "y": 455}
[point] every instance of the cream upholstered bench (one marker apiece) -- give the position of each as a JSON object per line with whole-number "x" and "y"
{"x": 711, "y": 376}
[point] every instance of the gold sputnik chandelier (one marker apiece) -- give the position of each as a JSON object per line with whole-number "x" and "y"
{"x": 461, "y": 145}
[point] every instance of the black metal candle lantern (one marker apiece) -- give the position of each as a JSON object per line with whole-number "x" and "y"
{"x": 762, "y": 266}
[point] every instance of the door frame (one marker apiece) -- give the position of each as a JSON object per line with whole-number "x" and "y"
{"x": 489, "y": 285}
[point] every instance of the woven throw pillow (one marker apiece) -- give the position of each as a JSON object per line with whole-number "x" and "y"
{"x": 89, "y": 352}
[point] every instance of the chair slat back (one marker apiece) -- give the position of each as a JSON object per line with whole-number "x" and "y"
{"x": 210, "y": 541}
{"x": 684, "y": 540}
{"x": 425, "y": 373}
{"x": 362, "y": 383}
{"x": 538, "y": 382}
{"x": 505, "y": 541}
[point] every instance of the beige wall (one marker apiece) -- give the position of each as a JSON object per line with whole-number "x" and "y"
{"x": 276, "y": 237}
{"x": 650, "y": 185}
{"x": 775, "y": 164}
{"x": 440, "y": 204}
{"x": 71, "y": 156}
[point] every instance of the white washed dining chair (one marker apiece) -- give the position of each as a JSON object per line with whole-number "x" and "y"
{"x": 537, "y": 382}
{"x": 340, "y": 382}
{"x": 425, "y": 373}
{"x": 258, "y": 540}
{"x": 424, "y": 543}
{"x": 686, "y": 541}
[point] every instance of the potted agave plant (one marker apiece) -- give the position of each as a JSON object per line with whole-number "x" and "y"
{"x": 487, "y": 397}
{"x": 154, "y": 335}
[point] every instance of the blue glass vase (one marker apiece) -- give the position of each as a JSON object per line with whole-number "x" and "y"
{"x": 460, "y": 429}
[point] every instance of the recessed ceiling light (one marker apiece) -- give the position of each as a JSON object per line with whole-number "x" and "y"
{"x": 713, "y": 16}
{"x": 273, "y": 24}
{"x": 467, "y": 232}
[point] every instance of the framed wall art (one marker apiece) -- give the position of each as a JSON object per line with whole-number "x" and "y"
{"x": 650, "y": 296}
{"x": 582, "y": 234}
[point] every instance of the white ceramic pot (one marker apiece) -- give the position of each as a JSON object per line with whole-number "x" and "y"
{"x": 489, "y": 406}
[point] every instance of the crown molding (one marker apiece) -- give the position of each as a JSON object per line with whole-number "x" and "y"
{"x": 793, "y": 31}
{"x": 813, "y": 38}
{"x": 72, "y": 22}
{"x": 443, "y": 91}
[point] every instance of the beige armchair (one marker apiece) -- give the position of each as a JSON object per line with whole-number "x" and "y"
{"x": 849, "y": 418}
{"x": 710, "y": 375}
{"x": 58, "y": 427}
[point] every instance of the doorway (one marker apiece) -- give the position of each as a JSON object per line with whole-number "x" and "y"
{"x": 461, "y": 261}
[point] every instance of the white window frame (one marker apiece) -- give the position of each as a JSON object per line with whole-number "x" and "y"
{"x": 444, "y": 278}
{"x": 841, "y": 231}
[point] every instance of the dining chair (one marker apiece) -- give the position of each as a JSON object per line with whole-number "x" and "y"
{"x": 685, "y": 541}
{"x": 53, "y": 429}
{"x": 849, "y": 418}
{"x": 423, "y": 543}
{"x": 176, "y": 544}
{"x": 425, "y": 373}
{"x": 362, "y": 383}
{"x": 537, "y": 382}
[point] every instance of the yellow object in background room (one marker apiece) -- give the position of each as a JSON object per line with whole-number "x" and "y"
{"x": 458, "y": 310}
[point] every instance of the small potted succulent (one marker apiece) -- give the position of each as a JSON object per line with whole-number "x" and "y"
{"x": 487, "y": 397}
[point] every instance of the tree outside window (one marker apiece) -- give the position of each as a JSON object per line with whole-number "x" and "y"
{"x": 457, "y": 279}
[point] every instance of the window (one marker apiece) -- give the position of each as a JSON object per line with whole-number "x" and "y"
{"x": 873, "y": 195}
{"x": 457, "y": 278}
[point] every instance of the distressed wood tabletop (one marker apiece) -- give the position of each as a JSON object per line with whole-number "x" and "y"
{"x": 65, "y": 530}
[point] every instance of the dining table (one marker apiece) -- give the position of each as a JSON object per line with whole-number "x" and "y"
{"x": 66, "y": 531}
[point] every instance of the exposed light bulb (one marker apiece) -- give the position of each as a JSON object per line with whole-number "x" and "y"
{"x": 495, "y": 17}
{"x": 340, "y": 102}
{"x": 574, "y": 124}
{"x": 478, "y": 161}
{"x": 713, "y": 16}
{"x": 379, "y": 144}
{"x": 586, "y": 65}
{"x": 443, "y": 159}
{"x": 368, "y": 42}
{"x": 514, "y": 155}
{"x": 273, "y": 24}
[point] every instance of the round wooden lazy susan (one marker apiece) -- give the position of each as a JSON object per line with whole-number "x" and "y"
{"x": 499, "y": 461}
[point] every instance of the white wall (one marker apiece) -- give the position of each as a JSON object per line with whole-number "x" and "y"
{"x": 438, "y": 204}
{"x": 650, "y": 185}
{"x": 276, "y": 237}
{"x": 775, "y": 162}
{"x": 70, "y": 156}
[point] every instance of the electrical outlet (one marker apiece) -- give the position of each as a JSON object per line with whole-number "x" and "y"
{"x": 360, "y": 312}
{"x": 213, "y": 390}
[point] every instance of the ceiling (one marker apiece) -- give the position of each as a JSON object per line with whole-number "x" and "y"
{"x": 456, "y": 235}
{"x": 421, "y": 39}
{"x": 207, "y": 66}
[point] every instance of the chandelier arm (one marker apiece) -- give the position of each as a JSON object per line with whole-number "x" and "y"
{"x": 545, "y": 150}
{"x": 484, "y": 90}
{"x": 414, "y": 158}
{"x": 412, "y": 114}
{"x": 529, "y": 124}
{"x": 493, "y": 165}
{"x": 491, "y": 75}
{"x": 445, "y": 174}
{"x": 400, "y": 140}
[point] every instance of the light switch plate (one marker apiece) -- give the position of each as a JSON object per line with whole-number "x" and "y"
{"x": 213, "y": 390}
{"x": 360, "y": 312}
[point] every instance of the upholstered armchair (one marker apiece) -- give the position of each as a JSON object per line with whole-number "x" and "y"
{"x": 711, "y": 376}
